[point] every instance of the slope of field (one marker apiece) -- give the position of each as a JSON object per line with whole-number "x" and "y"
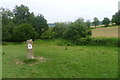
{"x": 105, "y": 32}
{"x": 0, "y": 62}
{"x": 75, "y": 62}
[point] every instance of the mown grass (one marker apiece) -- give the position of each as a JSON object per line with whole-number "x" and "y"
{"x": 73, "y": 62}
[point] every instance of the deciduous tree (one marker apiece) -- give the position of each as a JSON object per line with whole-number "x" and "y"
{"x": 116, "y": 18}
{"x": 106, "y": 21}
{"x": 96, "y": 21}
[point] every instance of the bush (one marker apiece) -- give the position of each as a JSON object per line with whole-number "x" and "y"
{"x": 7, "y": 31}
{"x": 24, "y": 32}
{"x": 49, "y": 34}
{"x": 77, "y": 30}
{"x": 59, "y": 29}
{"x": 116, "y": 18}
{"x": 99, "y": 42}
{"x": 106, "y": 21}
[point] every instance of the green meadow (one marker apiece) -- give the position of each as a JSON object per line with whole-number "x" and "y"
{"x": 0, "y": 62}
{"x": 59, "y": 61}
{"x": 62, "y": 47}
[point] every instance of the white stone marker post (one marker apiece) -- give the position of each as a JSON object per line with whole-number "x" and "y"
{"x": 30, "y": 54}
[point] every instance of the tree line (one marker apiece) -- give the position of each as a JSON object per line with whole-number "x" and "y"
{"x": 21, "y": 24}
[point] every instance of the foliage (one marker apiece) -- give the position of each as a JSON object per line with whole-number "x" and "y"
{"x": 40, "y": 24}
{"x": 7, "y": 31}
{"x": 7, "y": 25}
{"x": 96, "y": 21}
{"x": 106, "y": 21}
{"x": 99, "y": 41}
{"x": 88, "y": 23}
{"x": 59, "y": 29}
{"x": 48, "y": 34}
{"x": 70, "y": 31}
{"x": 20, "y": 15}
{"x": 77, "y": 30}
{"x": 116, "y": 18}
{"x": 15, "y": 24}
{"x": 24, "y": 32}
{"x": 89, "y": 41}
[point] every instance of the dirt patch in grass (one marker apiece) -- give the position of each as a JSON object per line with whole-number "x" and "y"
{"x": 41, "y": 59}
{"x": 18, "y": 62}
{"x": 30, "y": 62}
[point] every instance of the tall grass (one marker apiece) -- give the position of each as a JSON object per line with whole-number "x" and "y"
{"x": 59, "y": 42}
{"x": 91, "y": 41}
{"x": 99, "y": 41}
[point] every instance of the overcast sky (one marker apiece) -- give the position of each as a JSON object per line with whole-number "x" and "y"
{"x": 67, "y": 10}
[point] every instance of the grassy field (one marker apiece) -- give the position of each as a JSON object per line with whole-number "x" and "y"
{"x": 0, "y": 62}
{"x": 57, "y": 62}
{"x": 106, "y": 32}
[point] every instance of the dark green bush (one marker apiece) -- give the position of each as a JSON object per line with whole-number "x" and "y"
{"x": 59, "y": 29}
{"x": 24, "y": 32}
{"x": 99, "y": 41}
{"x": 77, "y": 30}
{"x": 48, "y": 34}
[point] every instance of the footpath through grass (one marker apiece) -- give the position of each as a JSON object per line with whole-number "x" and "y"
{"x": 60, "y": 62}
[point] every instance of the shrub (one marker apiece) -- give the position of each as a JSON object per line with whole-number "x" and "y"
{"x": 49, "y": 34}
{"x": 24, "y": 32}
{"x": 77, "y": 30}
{"x": 99, "y": 42}
{"x": 116, "y": 18}
{"x": 106, "y": 21}
{"x": 59, "y": 29}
